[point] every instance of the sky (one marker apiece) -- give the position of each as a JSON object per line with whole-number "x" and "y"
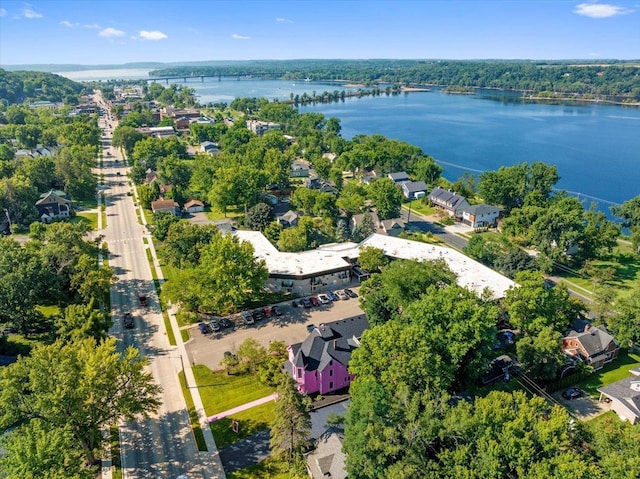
{"x": 94, "y": 32}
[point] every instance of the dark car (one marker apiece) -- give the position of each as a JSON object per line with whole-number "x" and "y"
{"x": 314, "y": 301}
{"x": 332, "y": 295}
{"x": 572, "y": 393}
{"x": 275, "y": 310}
{"x": 225, "y": 323}
{"x": 257, "y": 315}
{"x": 305, "y": 303}
{"x": 352, "y": 294}
{"x": 128, "y": 321}
{"x": 294, "y": 304}
{"x": 204, "y": 329}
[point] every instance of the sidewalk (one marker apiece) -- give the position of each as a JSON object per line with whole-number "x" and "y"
{"x": 243, "y": 407}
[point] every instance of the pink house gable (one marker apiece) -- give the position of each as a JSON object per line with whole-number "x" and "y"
{"x": 320, "y": 363}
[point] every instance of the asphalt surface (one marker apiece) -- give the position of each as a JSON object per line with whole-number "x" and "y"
{"x": 162, "y": 446}
{"x": 418, "y": 222}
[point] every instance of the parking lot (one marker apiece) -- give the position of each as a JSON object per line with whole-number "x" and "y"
{"x": 290, "y": 328}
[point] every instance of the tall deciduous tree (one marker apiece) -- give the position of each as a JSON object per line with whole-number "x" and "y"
{"x": 79, "y": 386}
{"x": 79, "y": 321}
{"x": 625, "y": 322}
{"x": 387, "y": 198}
{"x": 372, "y": 259}
{"x": 291, "y": 424}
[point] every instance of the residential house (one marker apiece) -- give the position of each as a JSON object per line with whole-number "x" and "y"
{"x": 53, "y": 204}
{"x": 595, "y": 346}
{"x": 412, "y": 190}
{"x": 202, "y": 120}
{"x": 289, "y": 219}
{"x": 399, "y": 177}
{"x": 393, "y": 227}
{"x": 480, "y": 216}
{"x": 165, "y": 206}
{"x": 330, "y": 156}
{"x": 151, "y": 177}
{"x": 44, "y": 104}
{"x": 327, "y": 459}
{"x": 261, "y": 127}
{"x": 368, "y": 177}
{"x": 320, "y": 363}
{"x": 448, "y": 201}
{"x": 182, "y": 123}
{"x": 210, "y": 147}
{"x": 625, "y": 397}
{"x": 356, "y": 221}
{"x": 300, "y": 168}
{"x": 194, "y": 206}
{"x": 313, "y": 183}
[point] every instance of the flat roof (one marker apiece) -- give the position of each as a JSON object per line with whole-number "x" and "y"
{"x": 331, "y": 257}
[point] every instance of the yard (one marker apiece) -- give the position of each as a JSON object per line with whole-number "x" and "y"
{"x": 419, "y": 206}
{"x": 87, "y": 218}
{"x": 214, "y": 213}
{"x": 612, "y": 372}
{"x": 220, "y": 392}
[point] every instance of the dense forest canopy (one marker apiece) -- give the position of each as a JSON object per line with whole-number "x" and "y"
{"x": 21, "y": 86}
{"x": 585, "y": 78}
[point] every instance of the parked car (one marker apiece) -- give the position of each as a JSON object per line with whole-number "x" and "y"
{"x": 204, "y": 329}
{"x": 142, "y": 298}
{"x": 350, "y": 293}
{"x": 247, "y": 318}
{"x": 214, "y": 325}
{"x": 305, "y": 303}
{"x": 128, "y": 321}
{"x": 324, "y": 299}
{"x": 257, "y": 315}
{"x": 342, "y": 295}
{"x": 332, "y": 295}
{"x": 276, "y": 311}
{"x": 225, "y": 323}
{"x": 267, "y": 311}
{"x": 572, "y": 393}
{"x": 294, "y": 304}
{"x": 310, "y": 327}
{"x": 314, "y": 301}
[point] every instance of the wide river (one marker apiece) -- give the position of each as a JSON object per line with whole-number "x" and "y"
{"x": 595, "y": 147}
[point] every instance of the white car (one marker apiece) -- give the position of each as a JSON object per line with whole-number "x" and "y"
{"x": 342, "y": 295}
{"x": 324, "y": 299}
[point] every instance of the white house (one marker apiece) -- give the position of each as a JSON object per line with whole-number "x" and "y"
{"x": 480, "y": 216}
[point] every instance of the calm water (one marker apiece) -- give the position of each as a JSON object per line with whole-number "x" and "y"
{"x": 596, "y": 148}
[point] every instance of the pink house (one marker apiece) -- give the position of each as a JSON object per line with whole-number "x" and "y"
{"x": 320, "y": 363}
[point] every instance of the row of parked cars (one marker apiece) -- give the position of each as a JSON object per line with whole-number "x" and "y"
{"x": 214, "y": 325}
{"x": 250, "y": 317}
{"x": 325, "y": 298}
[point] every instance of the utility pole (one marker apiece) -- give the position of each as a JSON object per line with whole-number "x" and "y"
{"x": 6, "y": 212}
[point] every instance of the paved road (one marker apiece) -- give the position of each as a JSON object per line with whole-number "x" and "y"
{"x": 162, "y": 446}
{"x": 420, "y": 223}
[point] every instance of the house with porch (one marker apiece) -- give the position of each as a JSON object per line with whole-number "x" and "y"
{"x": 595, "y": 346}
{"x": 53, "y": 205}
{"x": 448, "y": 201}
{"x": 320, "y": 363}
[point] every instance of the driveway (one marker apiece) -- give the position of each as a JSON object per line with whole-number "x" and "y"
{"x": 584, "y": 408}
{"x": 290, "y": 328}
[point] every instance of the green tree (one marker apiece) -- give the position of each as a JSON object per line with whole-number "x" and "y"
{"x": 126, "y": 137}
{"x": 95, "y": 386}
{"x": 387, "y": 198}
{"x": 184, "y": 242}
{"x": 291, "y": 423}
{"x": 372, "y": 259}
{"x": 541, "y": 355}
{"x": 251, "y": 354}
{"x": 426, "y": 169}
{"x": 90, "y": 281}
{"x": 162, "y": 221}
{"x": 273, "y": 231}
{"x": 79, "y": 321}
{"x": 304, "y": 199}
{"x": 258, "y": 217}
{"x": 625, "y": 322}
{"x": 628, "y": 212}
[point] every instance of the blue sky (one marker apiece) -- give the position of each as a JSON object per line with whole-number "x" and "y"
{"x": 119, "y": 31}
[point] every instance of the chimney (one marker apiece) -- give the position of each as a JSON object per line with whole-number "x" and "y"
{"x": 335, "y": 344}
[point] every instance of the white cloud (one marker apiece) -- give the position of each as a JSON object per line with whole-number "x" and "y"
{"x": 68, "y": 24}
{"x": 283, "y": 20}
{"x": 240, "y": 37}
{"x": 152, "y": 35}
{"x": 28, "y": 12}
{"x": 94, "y": 26}
{"x": 111, "y": 32}
{"x": 3, "y": 12}
{"x": 600, "y": 10}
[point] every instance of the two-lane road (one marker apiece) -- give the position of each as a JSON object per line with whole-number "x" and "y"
{"x": 163, "y": 446}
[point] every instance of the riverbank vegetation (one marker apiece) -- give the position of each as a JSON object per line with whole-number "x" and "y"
{"x": 612, "y": 80}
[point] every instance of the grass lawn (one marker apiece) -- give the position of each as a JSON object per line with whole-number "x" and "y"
{"x": 88, "y": 218}
{"x": 250, "y": 422}
{"x": 626, "y": 266}
{"x": 193, "y": 415}
{"x": 90, "y": 203}
{"x": 419, "y": 207}
{"x": 220, "y": 391}
{"x": 216, "y": 214}
{"x": 268, "y": 469}
{"x": 612, "y": 372}
{"x": 49, "y": 311}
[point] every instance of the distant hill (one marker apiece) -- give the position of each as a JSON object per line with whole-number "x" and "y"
{"x": 21, "y": 86}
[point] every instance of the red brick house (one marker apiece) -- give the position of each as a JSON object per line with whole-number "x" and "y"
{"x": 595, "y": 346}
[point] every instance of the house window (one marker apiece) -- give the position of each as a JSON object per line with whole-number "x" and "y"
{"x": 330, "y": 372}
{"x": 299, "y": 373}
{"x": 331, "y": 362}
{"x": 330, "y": 385}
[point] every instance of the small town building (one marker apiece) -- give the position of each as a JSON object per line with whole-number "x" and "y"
{"x": 413, "y": 190}
{"x": 300, "y": 168}
{"x": 480, "y": 216}
{"x": 327, "y": 461}
{"x": 399, "y": 177}
{"x": 448, "y": 201}
{"x": 368, "y": 177}
{"x": 194, "y": 206}
{"x": 595, "y": 346}
{"x": 210, "y": 147}
{"x": 289, "y": 219}
{"x": 52, "y": 205}
{"x": 158, "y": 131}
{"x": 165, "y": 206}
{"x": 261, "y": 127}
{"x": 624, "y": 397}
{"x": 320, "y": 363}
